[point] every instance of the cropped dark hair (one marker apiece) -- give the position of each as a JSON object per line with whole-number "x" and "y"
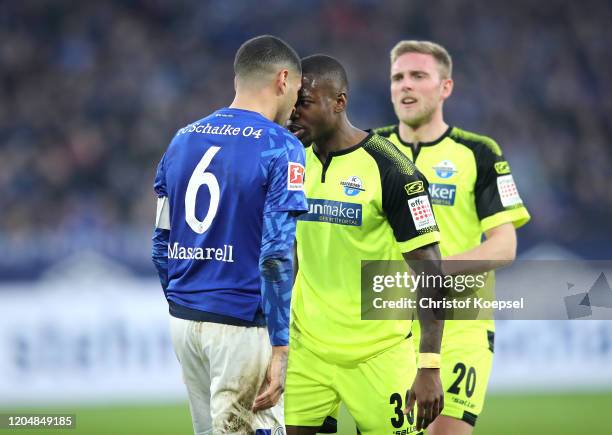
{"x": 327, "y": 67}
{"x": 260, "y": 55}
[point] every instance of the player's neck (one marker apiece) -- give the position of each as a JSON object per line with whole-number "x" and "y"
{"x": 341, "y": 138}
{"x": 254, "y": 103}
{"x": 428, "y": 132}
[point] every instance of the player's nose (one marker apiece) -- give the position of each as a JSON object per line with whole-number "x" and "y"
{"x": 294, "y": 113}
{"x": 407, "y": 85}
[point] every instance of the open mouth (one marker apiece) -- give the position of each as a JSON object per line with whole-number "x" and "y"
{"x": 296, "y": 129}
{"x": 409, "y": 101}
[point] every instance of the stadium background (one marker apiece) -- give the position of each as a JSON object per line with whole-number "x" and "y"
{"x": 91, "y": 92}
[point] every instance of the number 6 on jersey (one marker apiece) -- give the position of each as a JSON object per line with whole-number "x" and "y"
{"x": 198, "y": 178}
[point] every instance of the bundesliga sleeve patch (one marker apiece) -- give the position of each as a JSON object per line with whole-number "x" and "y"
{"x": 420, "y": 209}
{"x": 507, "y": 191}
{"x": 295, "y": 179}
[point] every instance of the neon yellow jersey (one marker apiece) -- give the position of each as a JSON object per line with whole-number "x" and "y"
{"x": 368, "y": 202}
{"x": 471, "y": 188}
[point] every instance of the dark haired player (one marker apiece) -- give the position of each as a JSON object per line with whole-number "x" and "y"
{"x": 230, "y": 187}
{"x": 360, "y": 208}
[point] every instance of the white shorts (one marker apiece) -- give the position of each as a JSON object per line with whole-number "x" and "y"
{"x": 224, "y": 367}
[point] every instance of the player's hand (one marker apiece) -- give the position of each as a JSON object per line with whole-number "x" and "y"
{"x": 274, "y": 384}
{"x": 428, "y": 394}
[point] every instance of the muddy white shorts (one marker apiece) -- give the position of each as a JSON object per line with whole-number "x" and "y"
{"x": 224, "y": 367}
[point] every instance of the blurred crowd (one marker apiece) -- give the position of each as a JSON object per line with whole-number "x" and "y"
{"x": 92, "y": 92}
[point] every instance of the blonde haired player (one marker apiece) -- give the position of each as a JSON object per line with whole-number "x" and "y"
{"x": 472, "y": 192}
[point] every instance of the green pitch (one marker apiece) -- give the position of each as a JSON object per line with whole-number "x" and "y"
{"x": 503, "y": 415}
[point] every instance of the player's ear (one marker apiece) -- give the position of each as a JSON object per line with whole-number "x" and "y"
{"x": 447, "y": 88}
{"x": 341, "y": 102}
{"x": 282, "y": 83}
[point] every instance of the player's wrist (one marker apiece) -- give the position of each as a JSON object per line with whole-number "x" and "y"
{"x": 280, "y": 349}
{"x": 432, "y": 371}
{"x": 429, "y": 360}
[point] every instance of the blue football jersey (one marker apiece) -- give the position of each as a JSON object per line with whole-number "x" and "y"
{"x": 220, "y": 175}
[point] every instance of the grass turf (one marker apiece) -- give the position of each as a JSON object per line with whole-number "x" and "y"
{"x": 503, "y": 415}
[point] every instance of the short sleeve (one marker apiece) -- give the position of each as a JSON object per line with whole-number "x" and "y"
{"x": 285, "y": 174}
{"x": 162, "y": 215}
{"x": 159, "y": 185}
{"x": 496, "y": 195}
{"x": 407, "y": 205}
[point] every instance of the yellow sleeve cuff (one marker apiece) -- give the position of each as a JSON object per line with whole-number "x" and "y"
{"x": 419, "y": 241}
{"x": 518, "y": 216}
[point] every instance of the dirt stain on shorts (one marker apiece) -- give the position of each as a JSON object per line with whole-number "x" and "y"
{"x": 238, "y": 417}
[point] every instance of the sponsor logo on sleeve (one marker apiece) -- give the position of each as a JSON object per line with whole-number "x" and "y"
{"x": 442, "y": 194}
{"x": 295, "y": 179}
{"x": 414, "y": 187}
{"x": 507, "y": 191}
{"x": 502, "y": 168}
{"x": 352, "y": 186}
{"x": 421, "y": 212}
{"x": 333, "y": 212}
{"x": 445, "y": 169}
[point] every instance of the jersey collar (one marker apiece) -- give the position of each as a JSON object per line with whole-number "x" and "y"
{"x": 422, "y": 144}
{"x": 346, "y": 150}
{"x": 333, "y": 154}
{"x": 236, "y": 110}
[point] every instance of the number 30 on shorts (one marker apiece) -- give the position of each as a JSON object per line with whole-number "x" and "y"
{"x": 470, "y": 380}
{"x": 398, "y": 420}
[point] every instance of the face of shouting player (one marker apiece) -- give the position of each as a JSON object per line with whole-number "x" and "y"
{"x": 314, "y": 116}
{"x": 417, "y": 88}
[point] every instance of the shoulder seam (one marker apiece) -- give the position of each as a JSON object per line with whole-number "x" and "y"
{"x": 471, "y": 140}
{"x": 391, "y": 154}
{"x": 385, "y": 131}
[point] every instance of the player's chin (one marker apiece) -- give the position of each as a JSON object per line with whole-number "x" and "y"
{"x": 405, "y": 114}
{"x": 412, "y": 119}
{"x": 303, "y": 136}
